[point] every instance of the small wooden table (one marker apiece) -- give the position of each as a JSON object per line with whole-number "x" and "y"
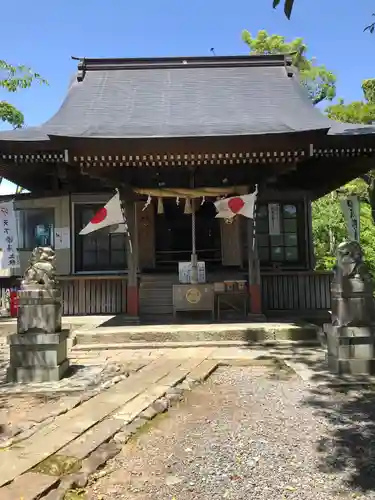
{"x": 225, "y": 298}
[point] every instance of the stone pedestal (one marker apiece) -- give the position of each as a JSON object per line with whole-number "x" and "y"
{"x": 39, "y": 351}
{"x": 39, "y": 310}
{"x": 350, "y": 349}
{"x": 38, "y": 357}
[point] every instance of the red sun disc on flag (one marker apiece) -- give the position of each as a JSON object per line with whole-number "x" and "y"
{"x": 236, "y": 204}
{"x": 99, "y": 216}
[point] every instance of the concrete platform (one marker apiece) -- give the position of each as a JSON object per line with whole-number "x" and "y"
{"x": 245, "y": 333}
{"x": 9, "y": 325}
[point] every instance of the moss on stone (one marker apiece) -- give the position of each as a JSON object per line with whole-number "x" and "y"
{"x": 58, "y": 465}
{"x": 79, "y": 494}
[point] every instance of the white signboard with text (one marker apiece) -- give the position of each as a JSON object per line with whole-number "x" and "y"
{"x": 184, "y": 272}
{"x": 274, "y": 219}
{"x": 8, "y": 236}
{"x": 62, "y": 238}
{"x": 351, "y": 209}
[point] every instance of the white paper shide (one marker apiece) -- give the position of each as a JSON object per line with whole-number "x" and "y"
{"x": 9, "y": 236}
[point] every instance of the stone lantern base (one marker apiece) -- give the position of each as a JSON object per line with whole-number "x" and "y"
{"x": 38, "y": 357}
{"x": 350, "y": 349}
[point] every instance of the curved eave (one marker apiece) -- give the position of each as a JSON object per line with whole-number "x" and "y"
{"x": 188, "y": 144}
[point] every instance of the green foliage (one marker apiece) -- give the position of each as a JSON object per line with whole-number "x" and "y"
{"x": 12, "y": 79}
{"x": 329, "y": 230}
{"x": 368, "y": 87}
{"x": 371, "y": 26}
{"x": 288, "y": 6}
{"x": 288, "y": 9}
{"x": 318, "y": 80}
{"x": 359, "y": 112}
{"x": 355, "y": 112}
{"x": 11, "y": 115}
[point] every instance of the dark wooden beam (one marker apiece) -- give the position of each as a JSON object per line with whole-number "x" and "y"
{"x": 141, "y": 146}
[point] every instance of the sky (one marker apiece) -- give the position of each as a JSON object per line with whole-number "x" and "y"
{"x": 45, "y": 34}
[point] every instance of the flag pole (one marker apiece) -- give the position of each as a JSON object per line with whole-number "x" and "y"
{"x": 194, "y": 263}
{"x": 126, "y": 227}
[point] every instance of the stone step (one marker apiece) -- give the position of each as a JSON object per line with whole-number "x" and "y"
{"x": 156, "y": 286}
{"x": 156, "y": 310}
{"x": 84, "y": 347}
{"x": 244, "y": 332}
{"x": 158, "y": 294}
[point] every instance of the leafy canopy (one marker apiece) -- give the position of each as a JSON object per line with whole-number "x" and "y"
{"x": 288, "y": 9}
{"x": 12, "y": 79}
{"x": 319, "y": 82}
{"x": 357, "y": 111}
{"x": 329, "y": 227}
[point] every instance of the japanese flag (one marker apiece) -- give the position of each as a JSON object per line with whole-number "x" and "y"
{"x": 242, "y": 205}
{"x": 109, "y": 215}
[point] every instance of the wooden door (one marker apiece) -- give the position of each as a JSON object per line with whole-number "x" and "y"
{"x": 231, "y": 242}
{"x": 146, "y": 235}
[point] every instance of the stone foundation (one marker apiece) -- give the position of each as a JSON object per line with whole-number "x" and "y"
{"x": 39, "y": 310}
{"x": 38, "y": 357}
{"x": 350, "y": 350}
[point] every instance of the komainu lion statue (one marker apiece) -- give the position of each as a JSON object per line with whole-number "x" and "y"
{"x": 42, "y": 268}
{"x": 350, "y": 263}
{"x": 352, "y": 299}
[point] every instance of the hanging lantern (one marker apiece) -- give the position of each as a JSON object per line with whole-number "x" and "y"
{"x": 187, "y": 209}
{"x": 160, "y": 206}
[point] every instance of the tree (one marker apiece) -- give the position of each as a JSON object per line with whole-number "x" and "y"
{"x": 328, "y": 222}
{"x": 362, "y": 112}
{"x": 12, "y": 79}
{"x": 288, "y": 9}
{"x": 319, "y": 82}
{"x": 357, "y": 111}
{"x": 329, "y": 227}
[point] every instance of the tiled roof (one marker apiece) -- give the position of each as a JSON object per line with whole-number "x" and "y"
{"x": 181, "y": 97}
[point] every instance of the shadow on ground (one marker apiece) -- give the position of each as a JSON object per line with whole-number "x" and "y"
{"x": 348, "y": 407}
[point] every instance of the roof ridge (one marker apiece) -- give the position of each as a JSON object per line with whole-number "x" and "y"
{"x": 100, "y": 64}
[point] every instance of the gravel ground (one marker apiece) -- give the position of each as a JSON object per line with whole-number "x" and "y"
{"x": 248, "y": 433}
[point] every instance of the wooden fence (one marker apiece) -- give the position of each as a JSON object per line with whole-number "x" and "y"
{"x": 304, "y": 291}
{"x": 83, "y": 295}
{"x": 93, "y": 295}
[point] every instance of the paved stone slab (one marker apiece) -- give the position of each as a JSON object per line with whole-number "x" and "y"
{"x": 83, "y": 378}
{"x": 130, "y": 410}
{"x": 180, "y": 372}
{"x": 65, "y": 428}
{"x": 203, "y": 370}
{"x": 29, "y": 486}
{"x": 91, "y": 439}
{"x": 236, "y": 353}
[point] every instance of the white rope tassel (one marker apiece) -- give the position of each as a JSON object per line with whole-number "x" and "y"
{"x": 203, "y": 200}
{"x": 160, "y": 206}
{"x": 147, "y": 204}
{"x": 178, "y": 201}
{"x": 187, "y": 209}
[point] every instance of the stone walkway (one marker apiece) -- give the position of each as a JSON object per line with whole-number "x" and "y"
{"x": 91, "y": 428}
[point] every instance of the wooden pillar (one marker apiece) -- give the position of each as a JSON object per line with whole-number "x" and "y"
{"x": 254, "y": 271}
{"x": 132, "y": 297}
